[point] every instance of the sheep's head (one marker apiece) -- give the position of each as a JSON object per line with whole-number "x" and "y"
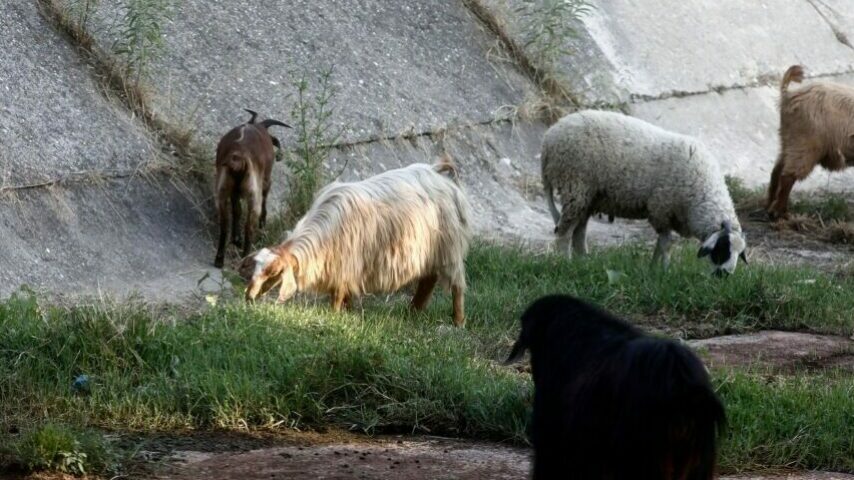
{"x": 272, "y": 268}
{"x": 724, "y": 248}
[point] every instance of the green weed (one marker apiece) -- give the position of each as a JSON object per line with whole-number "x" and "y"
{"x": 316, "y": 137}
{"x": 59, "y": 449}
{"x": 140, "y": 36}
{"x": 547, "y": 26}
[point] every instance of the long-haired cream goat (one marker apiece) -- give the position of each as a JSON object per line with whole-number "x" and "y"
{"x": 376, "y": 236}
{"x": 816, "y": 128}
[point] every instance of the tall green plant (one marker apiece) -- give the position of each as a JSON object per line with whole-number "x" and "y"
{"x": 316, "y": 136}
{"x": 548, "y": 26}
{"x": 140, "y": 35}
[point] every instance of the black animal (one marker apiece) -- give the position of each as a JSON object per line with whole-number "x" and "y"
{"x": 613, "y": 403}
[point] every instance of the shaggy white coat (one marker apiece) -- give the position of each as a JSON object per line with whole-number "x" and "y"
{"x": 605, "y": 162}
{"x": 380, "y": 234}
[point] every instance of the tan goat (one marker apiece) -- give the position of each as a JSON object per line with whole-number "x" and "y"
{"x": 816, "y": 128}
{"x": 404, "y": 226}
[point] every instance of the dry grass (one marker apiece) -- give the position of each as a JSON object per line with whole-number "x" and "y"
{"x": 173, "y": 139}
{"x": 827, "y": 217}
{"x": 555, "y": 99}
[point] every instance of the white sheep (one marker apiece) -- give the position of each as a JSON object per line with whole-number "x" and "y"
{"x": 605, "y": 162}
{"x": 376, "y": 236}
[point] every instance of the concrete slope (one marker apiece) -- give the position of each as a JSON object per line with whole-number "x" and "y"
{"x": 708, "y": 69}
{"x": 415, "y": 79}
{"x": 82, "y": 205}
{"x": 398, "y": 66}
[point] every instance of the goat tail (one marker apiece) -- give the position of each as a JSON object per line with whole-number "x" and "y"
{"x": 253, "y": 113}
{"x": 795, "y": 73}
{"x": 236, "y": 163}
{"x": 270, "y": 122}
{"x": 446, "y": 165}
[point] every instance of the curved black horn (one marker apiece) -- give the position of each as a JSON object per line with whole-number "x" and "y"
{"x": 254, "y": 115}
{"x": 270, "y": 122}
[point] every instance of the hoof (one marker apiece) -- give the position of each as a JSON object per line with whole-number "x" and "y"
{"x": 776, "y": 216}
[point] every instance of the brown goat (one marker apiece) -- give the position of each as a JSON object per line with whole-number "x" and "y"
{"x": 816, "y": 128}
{"x": 244, "y": 163}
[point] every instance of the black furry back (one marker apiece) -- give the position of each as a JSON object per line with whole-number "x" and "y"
{"x": 612, "y": 403}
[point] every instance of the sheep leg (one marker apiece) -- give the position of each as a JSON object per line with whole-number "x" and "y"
{"x": 235, "y": 215}
{"x": 562, "y": 243}
{"x": 459, "y": 315}
{"x": 662, "y": 248}
{"x": 338, "y": 298}
{"x": 424, "y": 291}
{"x": 579, "y": 237}
{"x": 222, "y": 211}
{"x": 574, "y": 214}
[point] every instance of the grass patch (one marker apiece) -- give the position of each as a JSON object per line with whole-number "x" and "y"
{"x": 382, "y": 368}
{"x": 831, "y": 207}
{"x": 827, "y": 217}
{"x": 790, "y": 422}
{"x": 57, "y": 448}
{"x": 743, "y": 197}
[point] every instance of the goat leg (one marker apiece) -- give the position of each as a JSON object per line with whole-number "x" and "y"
{"x": 780, "y": 207}
{"x": 222, "y": 211}
{"x": 458, "y": 297}
{"x": 424, "y": 291}
{"x": 235, "y": 216}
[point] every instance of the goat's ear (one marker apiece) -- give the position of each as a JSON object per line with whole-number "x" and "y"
{"x": 704, "y": 251}
{"x": 517, "y": 352}
{"x": 294, "y": 264}
{"x": 274, "y": 268}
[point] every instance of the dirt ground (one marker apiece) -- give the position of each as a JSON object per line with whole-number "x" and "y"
{"x": 353, "y": 457}
{"x": 782, "y": 352}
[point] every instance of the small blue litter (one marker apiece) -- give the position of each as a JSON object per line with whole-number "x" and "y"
{"x": 81, "y": 383}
